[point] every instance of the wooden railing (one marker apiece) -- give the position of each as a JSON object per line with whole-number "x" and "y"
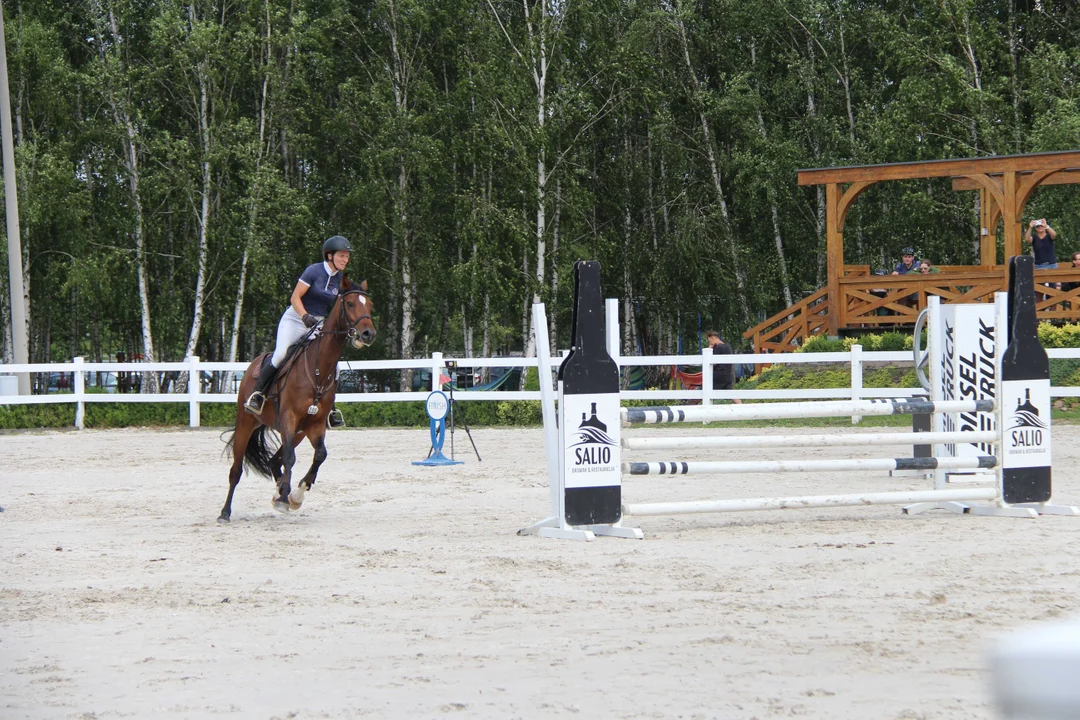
{"x": 887, "y": 301}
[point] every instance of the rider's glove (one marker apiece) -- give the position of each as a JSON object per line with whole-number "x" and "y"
{"x": 311, "y": 320}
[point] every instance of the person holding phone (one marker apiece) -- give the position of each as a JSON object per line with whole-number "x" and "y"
{"x": 1041, "y": 237}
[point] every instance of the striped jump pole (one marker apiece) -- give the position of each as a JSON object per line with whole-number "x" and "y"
{"x": 727, "y": 467}
{"x": 739, "y": 442}
{"x": 777, "y": 411}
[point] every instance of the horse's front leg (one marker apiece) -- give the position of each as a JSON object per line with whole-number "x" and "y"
{"x": 288, "y": 459}
{"x": 318, "y": 441}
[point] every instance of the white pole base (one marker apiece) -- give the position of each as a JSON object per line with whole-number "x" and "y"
{"x": 617, "y": 531}
{"x": 1047, "y": 509}
{"x": 919, "y": 508}
{"x": 553, "y": 527}
{"x": 1002, "y": 511}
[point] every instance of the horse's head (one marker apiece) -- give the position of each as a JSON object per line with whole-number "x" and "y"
{"x": 357, "y": 308}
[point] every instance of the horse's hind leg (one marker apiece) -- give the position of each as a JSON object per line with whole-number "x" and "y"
{"x": 318, "y": 441}
{"x": 245, "y": 426}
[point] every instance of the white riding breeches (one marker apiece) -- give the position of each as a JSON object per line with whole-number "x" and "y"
{"x": 290, "y": 329}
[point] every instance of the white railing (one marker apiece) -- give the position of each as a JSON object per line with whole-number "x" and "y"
{"x": 856, "y": 359}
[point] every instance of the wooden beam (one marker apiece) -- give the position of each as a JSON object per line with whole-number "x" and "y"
{"x": 941, "y": 168}
{"x": 1068, "y": 176}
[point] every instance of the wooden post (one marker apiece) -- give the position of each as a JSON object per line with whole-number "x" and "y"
{"x": 834, "y": 253}
{"x": 987, "y": 228}
{"x": 1008, "y": 215}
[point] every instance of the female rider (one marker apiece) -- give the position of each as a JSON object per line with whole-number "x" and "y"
{"x": 314, "y": 295}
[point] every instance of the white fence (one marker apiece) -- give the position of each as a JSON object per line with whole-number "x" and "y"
{"x": 856, "y": 360}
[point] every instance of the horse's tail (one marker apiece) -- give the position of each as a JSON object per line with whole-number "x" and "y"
{"x": 227, "y": 437}
{"x": 260, "y": 451}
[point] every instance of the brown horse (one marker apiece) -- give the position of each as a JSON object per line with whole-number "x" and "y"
{"x": 298, "y": 402}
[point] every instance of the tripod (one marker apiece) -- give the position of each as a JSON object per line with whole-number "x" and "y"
{"x": 451, "y": 365}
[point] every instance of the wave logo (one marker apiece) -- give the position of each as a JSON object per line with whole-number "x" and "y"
{"x": 1026, "y": 415}
{"x": 592, "y": 431}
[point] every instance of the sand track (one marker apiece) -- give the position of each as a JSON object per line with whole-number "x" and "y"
{"x": 403, "y": 592}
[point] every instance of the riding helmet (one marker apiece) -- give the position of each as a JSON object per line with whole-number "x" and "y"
{"x": 335, "y": 243}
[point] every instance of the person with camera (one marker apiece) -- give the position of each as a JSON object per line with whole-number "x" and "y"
{"x": 1041, "y": 237}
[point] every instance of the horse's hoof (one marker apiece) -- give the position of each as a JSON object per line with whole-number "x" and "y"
{"x": 281, "y": 505}
{"x": 224, "y": 520}
{"x": 295, "y": 504}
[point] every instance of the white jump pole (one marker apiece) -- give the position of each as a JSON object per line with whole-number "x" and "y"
{"x": 811, "y": 501}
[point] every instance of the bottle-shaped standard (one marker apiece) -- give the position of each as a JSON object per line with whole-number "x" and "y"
{"x": 1025, "y": 395}
{"x": 589, "y": 405}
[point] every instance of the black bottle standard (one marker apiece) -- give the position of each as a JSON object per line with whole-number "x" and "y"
{"x": 590, "y": 410}
{"x": 1025, "y": 395}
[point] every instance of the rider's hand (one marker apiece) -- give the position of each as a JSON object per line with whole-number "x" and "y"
{"x": 311, "y": 320}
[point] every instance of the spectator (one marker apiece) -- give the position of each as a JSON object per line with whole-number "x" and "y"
{"x": 122, "y": 380}
{"x": 1042, "y": 244}
{"x": 1042, "y": 247}
{"x": 723, "y": 375}
{"x": 908, "y": 263}
{"x": 927, "y": 268}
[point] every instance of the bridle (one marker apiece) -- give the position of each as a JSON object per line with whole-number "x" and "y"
{"x": 350, "y": 328}
{"x": 349, "y": 332}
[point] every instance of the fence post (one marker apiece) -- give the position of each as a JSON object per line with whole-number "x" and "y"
{"x": 193, "y": 387}
{"x": 856, "y": 379}
{"x": 611, "y": 318}
{"x": 706, "y": 375}
{"x": 436, "y": 370}
{"x": 80, "y": 390}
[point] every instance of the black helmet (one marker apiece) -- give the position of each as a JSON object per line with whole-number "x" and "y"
{"x": 905, "y": 251}
{"x": 334, "y": 244}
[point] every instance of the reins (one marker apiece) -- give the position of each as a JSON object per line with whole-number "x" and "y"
{"x": 349, "y": 331}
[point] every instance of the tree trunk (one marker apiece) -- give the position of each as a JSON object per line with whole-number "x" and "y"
{"x": 253, "y": 205}
{"x": 714, "y": 169}
{"x": 785, "y": 285}
{"x": 130, "y": 142}
{"x": 202, "y": 218}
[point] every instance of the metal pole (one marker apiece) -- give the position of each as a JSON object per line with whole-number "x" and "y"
{"x": 18, "y": 310}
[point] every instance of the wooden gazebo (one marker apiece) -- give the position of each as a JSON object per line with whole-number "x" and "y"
{"x": 854, "y": 299}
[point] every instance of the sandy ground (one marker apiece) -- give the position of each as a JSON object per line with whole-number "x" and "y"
{"x": 399, "y": 591}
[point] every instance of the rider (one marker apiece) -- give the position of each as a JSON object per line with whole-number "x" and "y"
{"x": 314, "y": 295}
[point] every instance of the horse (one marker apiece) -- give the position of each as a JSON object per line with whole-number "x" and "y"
{"x": 297, "y": 403}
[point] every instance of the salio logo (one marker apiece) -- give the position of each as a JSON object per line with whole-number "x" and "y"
{"x": 594, "y": 444}
{"x": 1026, "y": 425}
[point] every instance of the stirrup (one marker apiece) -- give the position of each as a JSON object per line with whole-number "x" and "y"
{"x": 254, "y": 404}
{"x": 335, "y": 419}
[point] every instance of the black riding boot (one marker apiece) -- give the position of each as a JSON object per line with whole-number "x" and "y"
{"x": 254, "y": 404}
{"x": 335, "y": 419}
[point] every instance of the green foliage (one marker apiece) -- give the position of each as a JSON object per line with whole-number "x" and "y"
{"x": 14, "y": 417}
{"x": 671, "y": 135}
{"x": 883, "y": 342}
{"x": 120, "y": 415}
{"x": 822, "y": 343}
{"x": 1059, "y": 336}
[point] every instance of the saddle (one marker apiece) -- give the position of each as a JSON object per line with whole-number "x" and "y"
{"x": 291, "y": 355}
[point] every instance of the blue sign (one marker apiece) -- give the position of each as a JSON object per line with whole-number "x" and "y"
{"x": 438, "y": 406}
